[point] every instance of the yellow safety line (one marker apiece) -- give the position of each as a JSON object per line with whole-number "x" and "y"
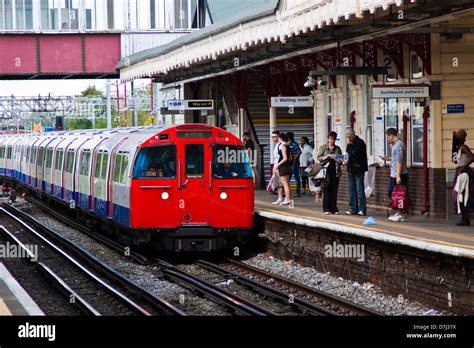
{"x": 404, "y": 227}
{"x": 372, "y": 229}
{"x": 4, "y": 309}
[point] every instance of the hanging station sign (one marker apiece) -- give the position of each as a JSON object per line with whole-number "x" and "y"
{"x": 178, "y": 105}
{"x": 397, "y": 91}
{"x": 296, "y": 102}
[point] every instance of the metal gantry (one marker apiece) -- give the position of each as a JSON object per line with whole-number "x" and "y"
{"x": 21, "y": 110}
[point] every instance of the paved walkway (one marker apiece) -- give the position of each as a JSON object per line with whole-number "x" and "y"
{"x": 13, "y": 298}
{"x": 416, "y": 228}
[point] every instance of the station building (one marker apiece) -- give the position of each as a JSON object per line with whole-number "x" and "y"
{"x": 384, "y": 63}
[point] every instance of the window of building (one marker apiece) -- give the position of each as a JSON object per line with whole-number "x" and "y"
{"x": 416, "y": 117}
{"x": 391, "y": 119}
{"x": 153, "y": 14}
{"x": 156, "y": 162}
{"x": 6, "y": 14}
{"x": 416, "y": 66}
{"x": 110, "y": 14}
{"x": 181, "y": 15}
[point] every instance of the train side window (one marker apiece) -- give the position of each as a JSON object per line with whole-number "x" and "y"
{"x": 117, "y": 167}
{"x": 155, "y": 162}
{"x": 49, "y": 158}
{"x": 194, "y": 160}
{"x": 123, "y": 175}
{"x": 9, "y": 152}
{"x": 98, "y": 162}
{"x": 59, "y": 159}
{"x": 2, "y": 152}
{"x": 40, "y": 156}
{"x": 33, "y": 156}
{"x": 69, "y": 161}
{"x": 105, "y": 164}
{"x": 86, "y": 157}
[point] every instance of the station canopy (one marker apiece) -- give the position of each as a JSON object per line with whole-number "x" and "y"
{"x": 252, "y": 33}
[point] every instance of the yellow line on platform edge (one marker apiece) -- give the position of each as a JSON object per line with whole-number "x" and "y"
{"x": 370, "y": 228}
{"x": 3, "y": 308}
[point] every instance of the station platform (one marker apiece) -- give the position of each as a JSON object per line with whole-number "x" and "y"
{"x": 417, "y": 231}
{"x": 14, "y": 300}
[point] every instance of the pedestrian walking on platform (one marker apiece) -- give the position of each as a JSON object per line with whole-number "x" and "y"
{"x": 283, "y": 167}
{"x": 305, "y": 161}
{"x": 275, "y": 178}
{"x": 398, "y": 170}
{"x": 330, "y": 154}
{"x": 295, "y": 166}
{"x": 463, "y": 192}
{"x": 357, "y": 165}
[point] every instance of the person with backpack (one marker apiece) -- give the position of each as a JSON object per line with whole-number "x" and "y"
{"x": 295, "y": 166}
{"x": 283, "y": 167}
{"x": 398, "y": 175}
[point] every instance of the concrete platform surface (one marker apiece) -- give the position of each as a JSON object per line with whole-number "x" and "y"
{"x": 417, "y": 231}
{"x": 14, "y": 300}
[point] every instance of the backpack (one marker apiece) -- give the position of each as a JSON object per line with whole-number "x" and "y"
{"x": 400, "y": 199}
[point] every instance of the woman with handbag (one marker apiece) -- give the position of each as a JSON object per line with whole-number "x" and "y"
{"x": 331, "y": 156}
{"x": 284, "y": 167}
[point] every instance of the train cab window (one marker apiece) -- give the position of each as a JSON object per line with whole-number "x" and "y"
{"x": 70, "y": 161}
{"x": 59, "y": 159}
{"x": 155, "y": 162}
{"x": 230, "y": 162}
{"x": 86, "y": 157}
{"x": 194, "y": 160}
{"x": 49, "y": 158}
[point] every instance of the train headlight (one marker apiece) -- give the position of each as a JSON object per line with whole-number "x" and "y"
{"x": 223, "y": 195}
{"x": 165, "y": 196}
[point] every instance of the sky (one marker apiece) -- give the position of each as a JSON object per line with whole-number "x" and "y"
{"x": 26, "y": 88}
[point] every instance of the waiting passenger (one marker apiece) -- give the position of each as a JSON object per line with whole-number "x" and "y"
{"x": 283, "y": 167}
{"x": 305, "y": 161}
{"x": 463, "y": 192}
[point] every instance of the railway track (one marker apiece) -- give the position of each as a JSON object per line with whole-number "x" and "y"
{"x": 91, "y": 285}
{"x": 298, "y": 299}
{"x": 238, "y": 270}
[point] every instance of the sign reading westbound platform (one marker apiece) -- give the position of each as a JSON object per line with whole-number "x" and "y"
{"x": 177, "y": 105}
{"x": 296, "y": 102}
{"x": 387, "y": 91}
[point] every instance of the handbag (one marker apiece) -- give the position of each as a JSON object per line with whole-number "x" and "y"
{"x": 323, "y": 172}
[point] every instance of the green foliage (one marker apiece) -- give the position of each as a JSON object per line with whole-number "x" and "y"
{"x": 91, "y": 91}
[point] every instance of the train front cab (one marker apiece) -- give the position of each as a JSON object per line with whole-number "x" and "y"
{"x": 175, "y": 185}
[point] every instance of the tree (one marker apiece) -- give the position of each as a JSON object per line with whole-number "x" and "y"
{"x": 91, "y": 91}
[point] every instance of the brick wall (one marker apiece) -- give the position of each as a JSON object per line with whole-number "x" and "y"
{"x": 380, "y": 200}
{"x": 420, "y": 275}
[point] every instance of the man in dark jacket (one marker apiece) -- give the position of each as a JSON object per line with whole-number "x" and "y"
{"x": 357, "y": 165}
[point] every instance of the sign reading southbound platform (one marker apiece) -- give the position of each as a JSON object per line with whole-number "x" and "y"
{"x": 380, "y": 92}
{"x": 175, "y": 105}
{"x": 296, "y": 102}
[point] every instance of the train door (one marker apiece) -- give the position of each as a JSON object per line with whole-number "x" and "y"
{"x": 194, "y": 180}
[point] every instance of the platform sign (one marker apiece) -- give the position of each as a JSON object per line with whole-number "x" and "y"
{"x": 296, "y": 102}
{"x": 181, "y": 105}
{"x": 453, "y": 108}
{"x": 338, "y": 130}
{"x": 387, "y": 91}
{"x": 379, "y": 141}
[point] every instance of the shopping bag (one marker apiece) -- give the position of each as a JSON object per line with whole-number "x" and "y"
{"x": 400, "y": 199}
